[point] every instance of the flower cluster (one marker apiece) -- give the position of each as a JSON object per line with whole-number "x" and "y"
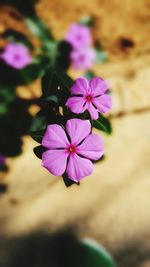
{"x": 73, "y": 148}
{"x": 63, "y": 125}
{"x": 80, "y": 38}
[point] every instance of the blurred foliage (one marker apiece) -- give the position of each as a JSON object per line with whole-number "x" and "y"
{"x": 39, "y": 28}
{"x": 13, "y": 77}
{"x": 27, "y": 8}
{"x": 7, "y": 95}
{"x": 12, "y": 35}
{"x": 14, "y": 124}
{"x": 61, "y": 249}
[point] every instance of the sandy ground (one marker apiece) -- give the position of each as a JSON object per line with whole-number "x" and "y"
{"x": 112, "y": 205}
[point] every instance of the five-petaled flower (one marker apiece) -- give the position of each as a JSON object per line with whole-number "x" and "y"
{"x": 72, "y": 149}
{"x": 16, "y": 55}
{"x": 79, "y": 36}
{"x": 90, "y": 95}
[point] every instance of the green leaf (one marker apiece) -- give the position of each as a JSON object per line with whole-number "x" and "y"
{"x": 67, "y": 181}
{"x": 103, "y": 124}
{"x": 90, "y": 253}
{"x": 49, "y": 84}
{"x": 33, "y": 71}
{"x": 65, "y": 83}
{"x": 39, "y": 28}
{"x": 89, "y": 75}
{"x": 38, "y": 135}
{"x": 3, "y": 108}
{"x": 38, "y": 151}
{"x": 7, "y": 95}
{"x": 101, "y": 56}
{"x": 87, "y": 21}
{"x": 64, "y": 80}
{"x": 63, "y": 60}
{"x": 14, "y": 124}
{"x": 39, "y": 122}
{"x": 52, "y": 98}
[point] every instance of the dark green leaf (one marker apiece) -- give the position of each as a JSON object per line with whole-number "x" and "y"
{"x": 52, "y": 98}
{"x": 3, "y": 108}
{"x": 67, "y": 181}
{"x": 3, "y": 168}
{"x": 7, "y": 95}
{"x": 38, "y": 151}
{"x": 14, "y": 124}
{"x": 89, "y": 253}
{"x": 33, "y": 71}
{"x": 39, "y": 122}
{"x": 38, "y": 135}
{"x": 63, "y": 60}
{"x": 65, "y": 80}
{"x": 103, "y": 124}
{"x": 50, "y": 84}
{"x": 65, "y": 83}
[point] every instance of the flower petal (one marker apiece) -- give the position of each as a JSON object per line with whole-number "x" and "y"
{"x": 82, "y": 59}
{"x": 80, "y": 87}
{"x": 78, "y": 130}
{"x": 93, "y": 111}
{"x": 78, "y": 168}
{"x": 55, "y": 161}
{"x": 92, "y": 147}
{"x": 98, "y": 86}
{"x": 103, "y": 103}
{"x": 79, "y": 36}
{"x": 55, "y": 137}
{"x": 76, "y": 104}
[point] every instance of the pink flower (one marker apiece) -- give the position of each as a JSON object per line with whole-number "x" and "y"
{"x": 79, "y": 36}
{"x": 2, "y": 159}
{"x": 90, "y": 95}
{"x": 16, "y": 55}
{"x": 82, "y": 59}
{"x": 71, "y": 150}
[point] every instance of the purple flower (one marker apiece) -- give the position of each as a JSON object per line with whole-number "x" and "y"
{"x": 82, "y": 59}
{"x": 16, "y": 55}
{"x": 79, "y": 36}
{"x": 71, "y": 150}
{"x": 2, "y": 159}
{"x": 90, "y": 95}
